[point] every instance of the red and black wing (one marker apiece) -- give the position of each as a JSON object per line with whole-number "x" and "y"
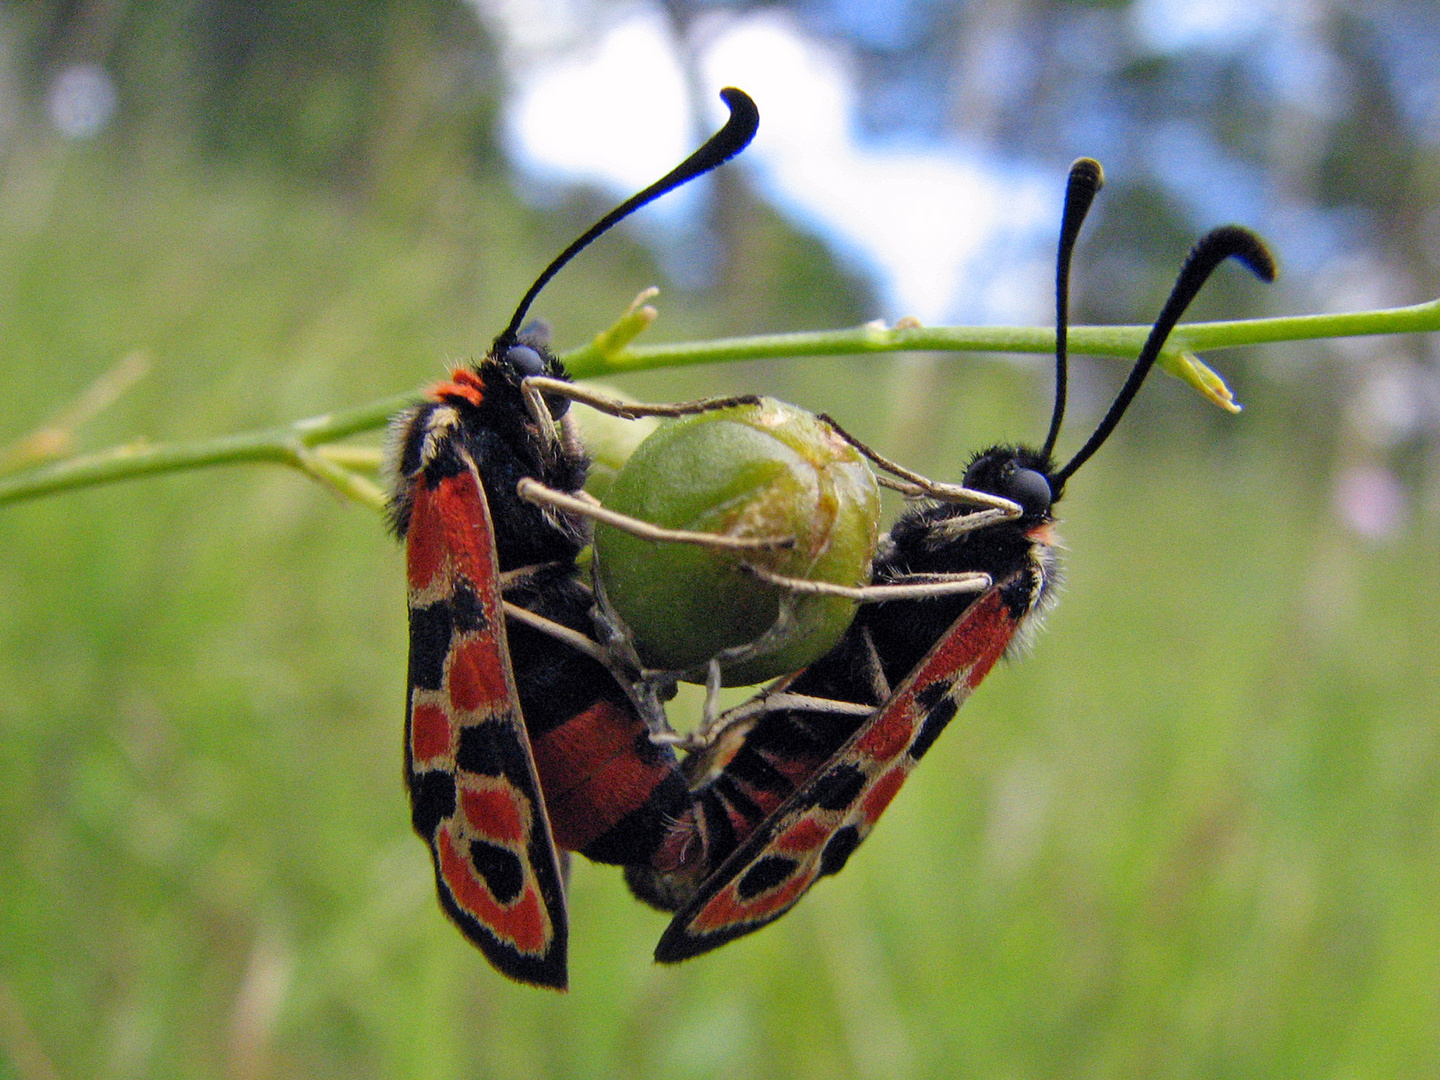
{"x": 474, "y": 793}
{"x": 816, "y": 829}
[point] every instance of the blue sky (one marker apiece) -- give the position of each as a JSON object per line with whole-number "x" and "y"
{"x": 927, "y": 223}
{"x": 944, "y": 232}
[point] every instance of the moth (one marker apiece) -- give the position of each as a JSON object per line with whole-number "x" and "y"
{"x": 799, "y": 776}
{"x": 518, "y": 741}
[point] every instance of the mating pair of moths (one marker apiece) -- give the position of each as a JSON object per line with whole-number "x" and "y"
{"x": 519, "y": 740}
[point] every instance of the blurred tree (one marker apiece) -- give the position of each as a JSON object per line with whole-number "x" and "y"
{"x": 1316, "y": 118}
{"x": 321, "y": 89}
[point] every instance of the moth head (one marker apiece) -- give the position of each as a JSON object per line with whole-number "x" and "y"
{"x": 1017, "y": 473}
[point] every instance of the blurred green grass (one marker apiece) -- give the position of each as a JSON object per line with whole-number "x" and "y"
{"x": 1193, "y": 835}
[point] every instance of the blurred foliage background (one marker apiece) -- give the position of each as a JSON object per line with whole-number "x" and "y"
{"x": 1197, "y": 833}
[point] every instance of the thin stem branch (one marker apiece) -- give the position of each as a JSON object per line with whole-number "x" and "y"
{"x": 290, "y": 444}
{"x": 588, "y": 361}
{"x": 610, "y": 354}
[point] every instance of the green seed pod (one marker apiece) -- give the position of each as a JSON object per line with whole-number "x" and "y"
{"x": 769, "y": 470}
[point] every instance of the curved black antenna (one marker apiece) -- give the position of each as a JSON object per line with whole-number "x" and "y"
{"x": 1086, "y": 180}
{"x": 718, "y": 149}
{"x": 1212, "y": 249}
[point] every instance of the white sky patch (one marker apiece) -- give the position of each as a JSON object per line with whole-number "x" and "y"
{"x": 1219, "y": 25}
{"x": 618, "y": 114}
{"x": 529, "y": 25}
{"x": 928, "y": 222}
{"x": 934, "y": 227}
{"x": 82, "y": 100}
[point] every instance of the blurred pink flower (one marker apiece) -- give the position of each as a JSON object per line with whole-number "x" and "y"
{"x": 1370, "y": 500}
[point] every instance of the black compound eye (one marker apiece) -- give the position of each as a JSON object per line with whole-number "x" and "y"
{"x": 1028, "y": 488}
{"x": 525, "y": 360}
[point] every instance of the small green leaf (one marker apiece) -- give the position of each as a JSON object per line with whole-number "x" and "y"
{"x": 1184, "y": 364}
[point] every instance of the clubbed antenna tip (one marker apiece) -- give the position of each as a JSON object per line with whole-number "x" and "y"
{"x": 1086, "y": 180}
{"x": 718, "y": 149}
{"x": 1228, "y": 241}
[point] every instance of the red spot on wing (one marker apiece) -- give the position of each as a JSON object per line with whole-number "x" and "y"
{"x": 974, "y": 644}
{"x": 879, "y": 796}
{"x": 497, "y": 814}
{"x": 431, "y": 734}
{"x": 803, "y": 837}
{"x": 725, "y": 910}
{"x": 728, "y": 909}
{"x": 890, "y": 734}
{"x": 465, "y": 521}
{"x": 986, "y": 662}
{"x": 450, "y": 531}
{"x": 522, "y": 925}
{"x": 479, "y": 678}
{"x": 425, "y": 540}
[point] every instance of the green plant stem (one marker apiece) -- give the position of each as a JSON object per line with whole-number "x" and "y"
{"x": 588, "y": 361}
{"x": 295, "y": 444}
{"x": 292, "y": 444}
